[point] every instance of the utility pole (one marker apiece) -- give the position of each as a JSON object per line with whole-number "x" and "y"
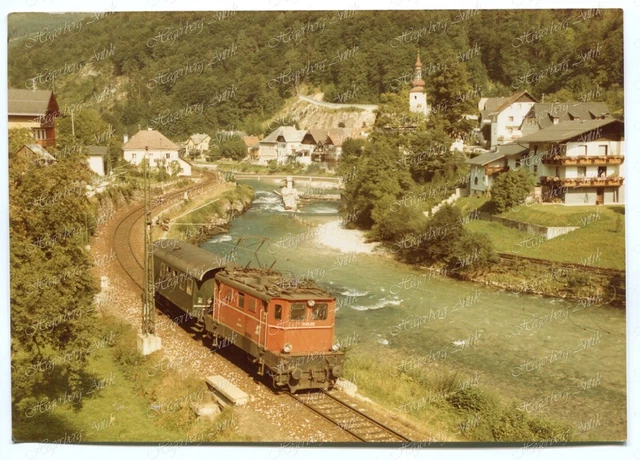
{"x": 148, "y": 342}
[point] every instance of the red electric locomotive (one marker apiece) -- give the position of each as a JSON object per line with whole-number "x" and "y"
{"x": 286, "y": 327}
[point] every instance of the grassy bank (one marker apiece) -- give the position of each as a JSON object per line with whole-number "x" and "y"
{"x": 293, "y": 168}
{"x": 599, "y": 240}
{"x": 195, "y": 220}
{"x": 128, "y": 398}
{"x": 451, "y": 406}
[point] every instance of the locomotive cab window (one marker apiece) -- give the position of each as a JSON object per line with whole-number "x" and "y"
{"x": 298, "y": 311}
{"x": 241, "y": 300}
{"x": 278, "y": 312}
{"x": 181, "y": 281}
{"x": 190, "y": 286}
{"x": 319, "y": 311}
{"x": 251, "y": 303}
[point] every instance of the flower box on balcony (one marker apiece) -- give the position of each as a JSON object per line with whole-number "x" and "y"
{"x": 571, "y": 161}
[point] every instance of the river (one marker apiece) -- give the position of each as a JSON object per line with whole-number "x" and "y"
{"x": 564, "y": 359}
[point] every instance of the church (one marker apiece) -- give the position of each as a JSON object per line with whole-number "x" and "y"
{"x": 417, "y": 93}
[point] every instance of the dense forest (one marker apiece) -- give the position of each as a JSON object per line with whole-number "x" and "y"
{"x": 186, "y": 72}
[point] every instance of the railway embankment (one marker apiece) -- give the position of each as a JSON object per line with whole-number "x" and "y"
{"x": 195, "y": 219}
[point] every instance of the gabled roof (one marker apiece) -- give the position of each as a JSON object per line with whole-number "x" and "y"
{"x": 30, "y": 102}
{"x": 544, "y": 113}
{"x": 289, "y": 133}
{"x": 36, "y": 152}
{"x": 512, "y": 149}
{"x": 513, "y": 99}
{"x": 504, "y": 150}
{"x": 97, "y": 150}
{"x": 338, "y": 135}
{"x": 567, "y": 130}
{"x": 251, "y": 141}
{"x": 318, "y": 134}
{"x": 149, "y": 138}
{"x": 198, "y": 138}
{"x": 485, "y": 158}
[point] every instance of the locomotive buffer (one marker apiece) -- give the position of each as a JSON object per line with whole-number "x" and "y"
{"x": 148, "y": 342}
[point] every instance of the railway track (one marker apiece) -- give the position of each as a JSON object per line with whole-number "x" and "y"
{"x": 121, "y": 241}
{"x": 358, "y": 424}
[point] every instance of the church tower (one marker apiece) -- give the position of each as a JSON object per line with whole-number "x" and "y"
{"x": 417, "y": 94}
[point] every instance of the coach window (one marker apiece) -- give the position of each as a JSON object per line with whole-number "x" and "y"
{"x": 319, "y": 311}
{"x": 241, "y": 299}
{"x": 298, "y": 311}
{"x": 182, "y": 282}
{"x": 190, "y": 286}
{"x": 278, "y": 312}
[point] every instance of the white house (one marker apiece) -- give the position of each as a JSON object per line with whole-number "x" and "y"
{"x": 506, "y": 116}
{"x": 156, "y": 147}
{"x": 97, "y": 156}
{"x": 579, "y": 161}
{"x": 484, "y": 168}
{"x": 283, "y": 142}
{"x": 197, "y": 143}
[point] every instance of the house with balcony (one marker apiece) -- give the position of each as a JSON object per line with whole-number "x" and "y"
{"x": 543, "y": 115}
{"x": 484, "y": 168}
{"x": 284, "y": 142}
{"x": 35, "y": 110}
{"x": 580, "y": 161}
{"x": 154, "y": 146}
{"x": 505, "y": 116}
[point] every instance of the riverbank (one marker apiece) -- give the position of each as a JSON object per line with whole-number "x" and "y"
{"x": 585, "y": 284}
{"x": 197, "y": 220}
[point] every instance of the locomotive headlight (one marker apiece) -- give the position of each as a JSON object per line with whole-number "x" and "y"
{"x": 335, "y": 347}
{"x": 287, "y": 348}
{"x": 311, "y": 303}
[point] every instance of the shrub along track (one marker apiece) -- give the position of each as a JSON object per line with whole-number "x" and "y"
{"x": 349, "y": 423}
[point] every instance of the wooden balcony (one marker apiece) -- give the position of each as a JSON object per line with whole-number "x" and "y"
{"x": 44, "y": 143}
{"x": 611, "y": 181}
{"x": 491, "y": 170}
{"x": 584, "y": 160}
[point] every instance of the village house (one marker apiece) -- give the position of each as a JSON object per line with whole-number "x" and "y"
{"x": 253, "y": 146}
{"x": 505, "y": 116}
{"x": 37, "y": 154}
{"x": 579, "y": 161}
{"x": 157, "y": 148}
{"x": 36, "y": 110}
{"x": 283, "y": 142}
{"x": 484, "y": 168}
{"x": 197, "y": 145}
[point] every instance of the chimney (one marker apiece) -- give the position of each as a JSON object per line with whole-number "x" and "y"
{"x": 125, "y": 138}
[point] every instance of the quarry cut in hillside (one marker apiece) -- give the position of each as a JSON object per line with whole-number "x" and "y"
{"x": 310, "y": 112}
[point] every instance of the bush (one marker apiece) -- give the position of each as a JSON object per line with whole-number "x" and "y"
{"x": 510, "y": 189}
{"x": 473, "y": 251}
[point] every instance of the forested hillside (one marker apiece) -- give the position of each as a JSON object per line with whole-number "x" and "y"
{"x": 186, "y": 72}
